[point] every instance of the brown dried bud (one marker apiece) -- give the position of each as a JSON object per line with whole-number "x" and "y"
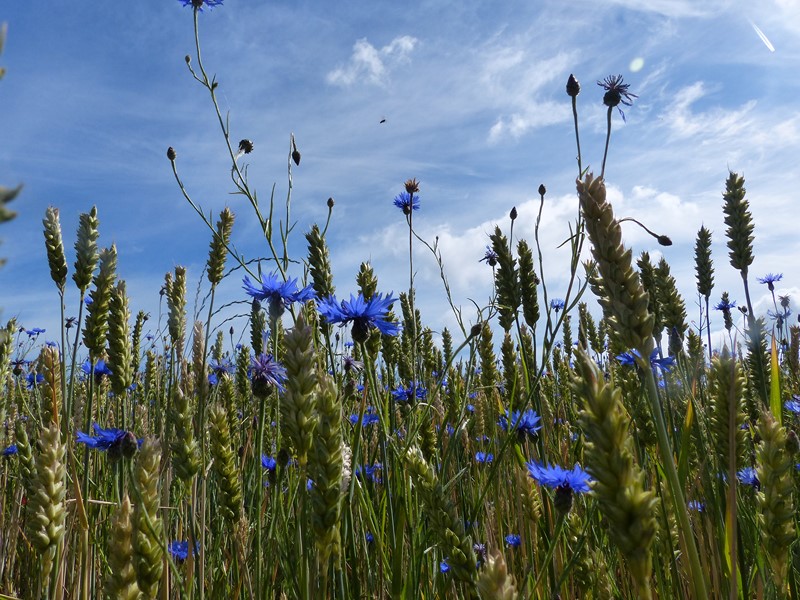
{"x": 246, "y": 146}
{"x": 296, "y": 157}
{"x": 412, "y": 186}
{"x": 476, "y": 330}
{"x": 188, "y": 59}
{"x": 664, "y": 240}
{"x": 171, "y": 154}
{"x": 330, "y": 202}
{"x": 792, "y": 442}
{"x": 573, "y": 87}
{"x": 513, "y": 213}
{"x": 542, "y": 190}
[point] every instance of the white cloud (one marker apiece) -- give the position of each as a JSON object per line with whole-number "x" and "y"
{"x": 717, "y": 123}
{"x": 371, "y": 65}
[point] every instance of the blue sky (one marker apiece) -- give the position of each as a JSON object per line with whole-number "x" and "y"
{"x": 475, "y": 108}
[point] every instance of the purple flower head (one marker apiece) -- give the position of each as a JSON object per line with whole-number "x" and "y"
{"x": 198, "y": 4}
{"x": 770, "y": 279}
{"x": 35, "y": 331}
{"x": 278, "y": 293}
{"x": 524, "y": 423}
{"x": 554, "y": 477}
{"x": 490, "y": 257}
{"x": 222, "y": 367}
{"x": 616, "y": 93}
{"x": 557, "y": 304}
{"x": 407, "y": 202}
{"x": 266, "y": 372}
{"x": 363, "y": 314}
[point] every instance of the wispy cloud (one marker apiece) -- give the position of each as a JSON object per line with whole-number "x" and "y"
{"x": 371, "y": 65}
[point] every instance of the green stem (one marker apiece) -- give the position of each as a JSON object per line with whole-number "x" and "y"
{"x": 678, "y": 500}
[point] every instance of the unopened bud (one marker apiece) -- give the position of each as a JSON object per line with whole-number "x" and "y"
{"x": 664, "y": 240}
{"x": 330, "y": 203}
{"x": 573, "y": 87}
{"x": 542, "y": 190}
{"x": 513, "y": 213}
{"x": 171, "y": 154}
{"x": 246, "y": 146}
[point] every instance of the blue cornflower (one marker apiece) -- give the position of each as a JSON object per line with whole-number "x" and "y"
{"x": 725, "y": 305}
{"x": 513, "y": 540}
{"x": 369, "y": 418}
{"x": 180, "y": 550}
{"x": 483, "y": 457}
{"x": 222, "y": 367}
{"x": 770, "y": 279}
{"x": 10, "y": 451}
{"x": 35, "y": 331}
{"x": 490, "y": 257}
{"x": 696, "y": 505}
{"x": 278, "y": 293}
{"x": 364, "y": 314}
{"x": 527, "y": 422}
{"x": 103, "y": 439}
{"x": 34, "y": 379}
{"x": 444, "y": 567}
{"x": 748, "y": 476}
{"x": 198, "y": 4}
{"x": 265, "y": 372}
{"x": 793, "y": 405}
{"x": 269, "y": 463}
{"x": 100, "y": 368}
{"x": 410, "y": 394}
{"x": 557, "y": 304}
{"x": 406, "y": 202}
{"x": 616, "y": 93}
{"x": 370, "y": 472}
{"x": 369, "y": 537}
{"x": 663, "y": 364}
{"x": 555, "y": 477}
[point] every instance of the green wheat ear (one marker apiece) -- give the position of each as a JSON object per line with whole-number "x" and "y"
{"x": 739, "y": 222}
{"x": 224, "y": 465}
{"x": 623, "y": 297}
{"x": 148, "y": 535}
{"x": 55, "y": 248}
{"x": 495, "y": 582}
{"x": 629, "y": 509}
{"x": 506, "y": 280}
{"x": 218, "y": 248}
{"x": 298, "y": 402}
{"x": 121, "y": 580}
{"x": 774, "y": 465}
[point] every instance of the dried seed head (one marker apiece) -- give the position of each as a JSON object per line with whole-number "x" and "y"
{"x": 171, "y": 154}
{"x": 412, "y": 186}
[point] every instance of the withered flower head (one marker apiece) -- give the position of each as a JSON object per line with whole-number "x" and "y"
{"x": 246, "y": 146}
{"x": 616, "y": 93}
{"x": 412, "y": 186}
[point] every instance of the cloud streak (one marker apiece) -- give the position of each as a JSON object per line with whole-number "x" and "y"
{"x": 370, "y": 65}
